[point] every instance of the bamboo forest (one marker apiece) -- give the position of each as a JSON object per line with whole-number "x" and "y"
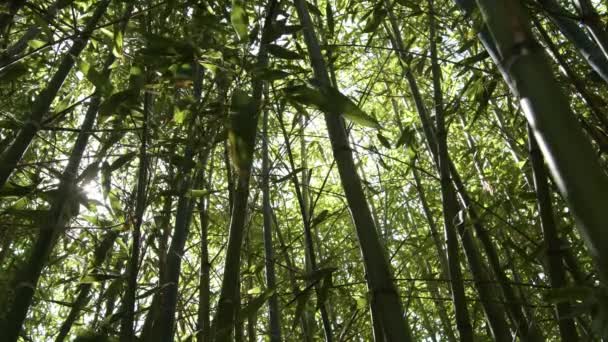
{"x": 303, "y": 170}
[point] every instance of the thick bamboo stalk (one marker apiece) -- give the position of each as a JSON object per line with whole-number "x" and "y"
{"x": 571, "y": 158}
{"x": 203, "y": 323}
{"x": 151, "y": 321}
{"x": 579, "y": 85}
{"x": 448, "y": 196}
{"x": 594, "y": 24}
{"x": 185, "y": 205}
{"x": 494, "y": 314}
{"x": 169, "y": 286}
{"x": 226, "y": 310}
{"x": 385, "y": 303}
{"x": 585, "y": 46}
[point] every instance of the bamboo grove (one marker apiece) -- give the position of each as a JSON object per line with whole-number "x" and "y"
{"x": 337, "y": 170}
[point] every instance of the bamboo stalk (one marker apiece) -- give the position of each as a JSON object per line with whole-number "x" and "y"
{"x": 571, "y": 159}
{"x": 385, "y": 304}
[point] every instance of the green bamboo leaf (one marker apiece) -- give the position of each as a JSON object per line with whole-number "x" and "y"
{"x": 239, "y": 20}
{"x": 182, "y": 162}
{"x": 112, "y": 104}
{"x": 306, "y": 95}
{"x": 353, "y": 113}
{"x": 529, "y": 196}
{"x": 407, "y": 137}
{"x": 89, "y": 173}
{"x": 118, "y": 44}
{"x": 91, "y": 335}
{"x": 252, "y": 36}
{"x": 475, "y": 58}
{"x": 289, "y": 175}
{"x": 10, "y": 123}
{"x": 34, "y": 215}
{"x": 292, "y": 29}
{"x": 100, "y": 82}
{"x": 413, "y": 5}
{"x": 9, "y": 190}
{"x": 376, "y": 19}
{"x": 36, "y": 44}
{"x": 322, "y": 216}
{"x": 468, "y": 44}
{"x": 340, "y": 103}
{"x": 331, "y": 101}
{"x": 275, "y": 31}
{"x": 106, "y": 179}
{"x": 384, "y": 141}
{"x": 13, "y": 72}
{"x": 180, "y": 115}
{"x": 319, "y": 274}
{"x": 314, "y": 9}
{"x": 115, "y": 203}
{"x": 281, "y": 52}
{"x": 122, "y": 160}
{"x": 197, "y": 193}
{"x": 254, "y": 291}
{"x": 272, "y": 74}
{"x": 362, "y": 302}
{"x": 383, "y": 163}
{"x": 107, "y": 32}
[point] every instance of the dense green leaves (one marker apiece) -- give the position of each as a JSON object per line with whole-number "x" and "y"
{"x": 182, "y": 77}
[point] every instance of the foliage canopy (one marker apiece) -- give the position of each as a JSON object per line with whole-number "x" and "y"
{"x": 301, "y": 170}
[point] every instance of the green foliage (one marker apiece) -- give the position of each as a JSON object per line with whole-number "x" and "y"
{"x": 239, "y": 19}
{"x": 330, "y": 101}
{"x": 182, "y": 77}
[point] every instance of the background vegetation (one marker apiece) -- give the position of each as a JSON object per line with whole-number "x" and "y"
{"x": 179, "y": 170}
